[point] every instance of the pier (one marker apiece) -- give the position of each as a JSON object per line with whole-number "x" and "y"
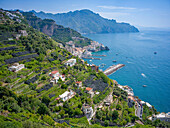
{"x": 113, "y": 68}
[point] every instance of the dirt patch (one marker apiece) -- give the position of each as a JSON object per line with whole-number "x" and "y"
{"x": 40, "y": 85}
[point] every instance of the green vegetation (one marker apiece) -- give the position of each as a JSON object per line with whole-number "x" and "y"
{"x": 57, "y": 32}
{"x": 28, "y": 98}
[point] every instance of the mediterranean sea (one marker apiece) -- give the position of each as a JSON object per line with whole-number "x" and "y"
{"x": 142, "y": 66}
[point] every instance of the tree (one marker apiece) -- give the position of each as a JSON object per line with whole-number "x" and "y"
{"x": 1, "y": 83}
{"x": 78, "y": 111}
{"x": 99, "y": 115}
{"x": 115, "y": 114}
{"x": 118, "y": 107}
{"x": 106, "y": 123}
{"x": 64, "y": 86}
{"x": 43, "y": 109}
{"x": 43, "y": 78}
{"x": 8, "y": 80}
{"x": 62, "y": 112}
{"x": 46, "y": 100}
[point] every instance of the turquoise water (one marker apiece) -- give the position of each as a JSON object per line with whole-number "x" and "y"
{"x": 136, "y": 51}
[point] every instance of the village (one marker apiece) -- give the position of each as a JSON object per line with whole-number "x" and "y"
{"x": 86, "y": 51}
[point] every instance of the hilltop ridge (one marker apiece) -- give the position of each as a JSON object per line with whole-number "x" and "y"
{"x": 86, "y": 21}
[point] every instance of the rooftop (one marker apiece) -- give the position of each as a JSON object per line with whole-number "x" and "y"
{"x": 88, "y": 89}
{"x": 54, "y": 72}
{"x": 78, "y": 82}
{"x": 64, "y": 94}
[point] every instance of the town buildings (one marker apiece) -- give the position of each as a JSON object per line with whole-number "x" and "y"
{"x": 16, "y": 67}
{"x": 162, "y": 116}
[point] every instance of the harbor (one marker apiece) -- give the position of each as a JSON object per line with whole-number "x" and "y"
{"x": 112, "y": 69}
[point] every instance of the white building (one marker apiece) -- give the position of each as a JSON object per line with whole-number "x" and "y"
{"x": 147, "y": 104}
{"x": 55, "y": 76}
{"x": 67, "y": 95}
{"x": 88, "y": 110}
{"x": 161, "y": 116}
{"x": 54, "y": 73}
{"x": 16, "y": 67}
{"x": 71, "y": 62}
{"x": 79, "y": 84}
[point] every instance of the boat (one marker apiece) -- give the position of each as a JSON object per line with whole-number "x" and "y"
{"x": 114, "y": 61}
{"x": 144, "y": 85}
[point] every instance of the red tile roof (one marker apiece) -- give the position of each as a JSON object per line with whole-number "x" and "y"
{"x": 88, "y": 89}
{"x": 78, "y": 82}
{"x": 54, "y": 72}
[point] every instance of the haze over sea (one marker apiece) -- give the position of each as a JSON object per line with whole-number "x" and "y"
{"x": 136, "y": 51}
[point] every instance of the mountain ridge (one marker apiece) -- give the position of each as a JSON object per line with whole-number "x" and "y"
{"x": 57, "y": 32}
{"x": 86, "y": 21}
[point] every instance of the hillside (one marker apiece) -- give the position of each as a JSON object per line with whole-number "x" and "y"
{"x": 50, "y": 28}
{"x": 47, "y": 92}
{"x": 86, "y": 21}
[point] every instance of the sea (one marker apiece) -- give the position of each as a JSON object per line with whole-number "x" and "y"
{"x": 142, "y": 65}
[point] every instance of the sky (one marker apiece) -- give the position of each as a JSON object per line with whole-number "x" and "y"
{"x": 141, "y": 13}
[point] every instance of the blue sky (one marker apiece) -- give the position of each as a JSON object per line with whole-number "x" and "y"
{"x": 146, "y": 13}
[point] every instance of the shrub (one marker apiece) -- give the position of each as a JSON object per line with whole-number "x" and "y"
{"x": 8, "y": 80}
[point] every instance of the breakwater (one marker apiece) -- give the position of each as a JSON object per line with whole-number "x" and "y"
{"x": 112, "y": 69}
{"x": 92, "y": 58}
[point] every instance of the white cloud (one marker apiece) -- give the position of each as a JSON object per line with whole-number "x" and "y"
{"x": 112, "y": 15}
{"x": 116, "y": 7}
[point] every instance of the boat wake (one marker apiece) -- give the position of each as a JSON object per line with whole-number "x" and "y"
{"x": 129, "y": 62}
{"x": 153, "y": 67}
{"x": 143, "y": 75}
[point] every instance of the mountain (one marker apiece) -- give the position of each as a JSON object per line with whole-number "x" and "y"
{"x": 86, "y": 21}
{"x": 50, "y": 28}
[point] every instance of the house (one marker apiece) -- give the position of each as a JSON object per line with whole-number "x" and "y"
{"x": 23, "y": 32}
{"x": 67, "y": 95}
{"x": 94, "y": 67}
{"x": 88, "y": 110}
{"x": 16, "y": 67}
{"x": 108, "y": 100}
{"x": 90, "y": 91}
{"x": 55, "y": 76}
{"x": 71, "y": 62}
{"x": 147, "y": 104}
{"x": 142, "y": 102}
{"x": 162, "y": 116}
{"x": 115, "y": 82}
{"x": 79, "y": 84}
{"x": 131, "y": 101}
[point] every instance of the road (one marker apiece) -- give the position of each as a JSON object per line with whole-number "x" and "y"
{"x": 139, "y": 110}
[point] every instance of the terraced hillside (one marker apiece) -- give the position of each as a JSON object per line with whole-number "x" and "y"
{"x": 31, "y": 97}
